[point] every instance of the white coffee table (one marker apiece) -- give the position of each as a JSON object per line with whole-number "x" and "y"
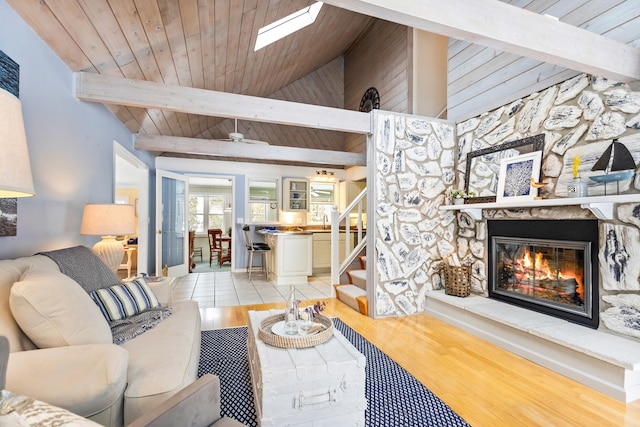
{"x": 316, "y": 386}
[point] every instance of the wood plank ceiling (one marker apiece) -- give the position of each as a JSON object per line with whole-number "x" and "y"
{"x": 481, "y": 78}
{"x": 204, "y": 44}
{"x": 208, "y": 44}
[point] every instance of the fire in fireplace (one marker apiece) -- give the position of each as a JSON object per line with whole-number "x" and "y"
{"x": 547, "y": 266}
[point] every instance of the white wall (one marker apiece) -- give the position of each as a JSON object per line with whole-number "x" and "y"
{"x": 70, "y": 146}
{"x": 429, "y": 97}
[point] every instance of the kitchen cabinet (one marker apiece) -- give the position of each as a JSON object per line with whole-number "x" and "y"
{"x": 322, "y": 250}
{"x": 296, "y": 195}
{"x": 290, "y": 258}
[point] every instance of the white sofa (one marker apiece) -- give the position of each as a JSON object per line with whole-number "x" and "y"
{"x": 107, "y": 383}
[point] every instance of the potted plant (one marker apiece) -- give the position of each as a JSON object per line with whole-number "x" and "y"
{"x": 458, "y": 196}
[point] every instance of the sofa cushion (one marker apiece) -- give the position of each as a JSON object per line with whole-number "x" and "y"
{"x": 54, "y": 311}
{"x": 120, "y": 301}
{"x": 163, "y": 360}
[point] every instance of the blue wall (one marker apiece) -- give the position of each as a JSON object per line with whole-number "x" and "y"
{"x": 70, "y": 146}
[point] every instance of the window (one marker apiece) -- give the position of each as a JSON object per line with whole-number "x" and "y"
{"x": 322, "y": 199}
{"x": 287, "y": 25}
{"x": 207, "y": 211}
{"x": 263, "y": 201}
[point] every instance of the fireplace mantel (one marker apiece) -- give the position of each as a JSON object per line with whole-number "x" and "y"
{"x": 600, "y": 206}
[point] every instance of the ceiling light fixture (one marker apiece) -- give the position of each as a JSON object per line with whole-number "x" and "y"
{"x": 288, "y": 25}
{"x": 324, "y": 175}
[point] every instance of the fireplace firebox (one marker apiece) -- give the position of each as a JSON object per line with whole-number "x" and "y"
{"x": 547, "y": 266}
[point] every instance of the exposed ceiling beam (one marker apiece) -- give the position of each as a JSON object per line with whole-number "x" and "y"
{"x": 137, "y": 93}
{"x": 208, "y": 147}
{"x": 512, "y": 29}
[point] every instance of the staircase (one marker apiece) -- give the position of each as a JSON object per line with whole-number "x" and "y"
{"x": 354, "y": 292}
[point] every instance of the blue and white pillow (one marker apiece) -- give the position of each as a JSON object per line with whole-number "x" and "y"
{"x": 121, "y": 301}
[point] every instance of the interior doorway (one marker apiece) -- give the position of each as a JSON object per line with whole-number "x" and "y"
{"x": 211, "y": 205}
{"x": 131, "y": 186}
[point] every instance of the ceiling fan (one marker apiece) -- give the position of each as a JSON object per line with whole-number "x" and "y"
{"x": 238, "y": 137}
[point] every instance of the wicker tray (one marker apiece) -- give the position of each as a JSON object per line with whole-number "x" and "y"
{"x": 265, "y": 334}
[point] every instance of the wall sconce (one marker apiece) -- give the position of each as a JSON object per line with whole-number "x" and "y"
{"x": 108, "y": 221}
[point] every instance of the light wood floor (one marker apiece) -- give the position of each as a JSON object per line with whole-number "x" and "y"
{"x": 486, "y": 385}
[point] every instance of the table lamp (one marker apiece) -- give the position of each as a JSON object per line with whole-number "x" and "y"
{"x": 108, "y": 220}
{"x": 15, "y": 170}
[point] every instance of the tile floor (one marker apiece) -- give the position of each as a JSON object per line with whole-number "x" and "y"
{"x": 224, "y": 289}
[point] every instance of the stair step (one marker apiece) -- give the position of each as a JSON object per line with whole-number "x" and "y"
{"x": 363, "y": 261}
{"x": 358, "y": 278}
{"x": 353, "y": 296}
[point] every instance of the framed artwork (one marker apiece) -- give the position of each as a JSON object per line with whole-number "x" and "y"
{"x": 8, "y": 217}
{"x": 517, "y": 175}
{"x": 483, "y": 166}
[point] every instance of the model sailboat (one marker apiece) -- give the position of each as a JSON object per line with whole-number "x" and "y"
{"x": 617, "y": 163}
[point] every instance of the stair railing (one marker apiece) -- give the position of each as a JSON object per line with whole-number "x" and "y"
{"x": 355, "y": 209}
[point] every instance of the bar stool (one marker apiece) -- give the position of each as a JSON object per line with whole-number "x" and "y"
{"x": 261, "y": 248}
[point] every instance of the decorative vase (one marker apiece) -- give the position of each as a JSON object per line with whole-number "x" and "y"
{"x": 291, "y": 313}
{"x": 459, "y": 201}
{"x": 577, "y": 188}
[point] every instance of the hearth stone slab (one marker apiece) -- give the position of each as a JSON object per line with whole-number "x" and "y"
{"x": 598, "y": 359}
{"x": 515, "y": 317}
{"x": 602, "y": 345}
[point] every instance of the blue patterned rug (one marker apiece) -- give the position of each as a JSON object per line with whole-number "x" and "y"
{"x": 394, "y": 396}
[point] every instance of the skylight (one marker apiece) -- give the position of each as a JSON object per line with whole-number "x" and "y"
{"x": 288, "y": 25}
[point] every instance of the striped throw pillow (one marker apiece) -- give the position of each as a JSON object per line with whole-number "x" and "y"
{"x": 121, "y": 301}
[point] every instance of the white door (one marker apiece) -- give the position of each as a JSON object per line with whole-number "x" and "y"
{"x": 172, "y": 236}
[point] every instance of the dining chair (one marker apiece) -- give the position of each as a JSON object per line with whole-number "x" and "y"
{"x": 192, "y": 238}
{"x": 225, "y": 254}
{"x": 215, "y": 244}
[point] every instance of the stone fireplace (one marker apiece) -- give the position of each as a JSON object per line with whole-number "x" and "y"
{"x": 549, "y": 266}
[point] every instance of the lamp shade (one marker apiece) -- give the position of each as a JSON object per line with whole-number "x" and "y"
{"x": 108, "y": 219}
{"x": 15, "y": 169}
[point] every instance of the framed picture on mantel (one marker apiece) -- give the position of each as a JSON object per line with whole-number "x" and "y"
{"x": 517, "y": 175}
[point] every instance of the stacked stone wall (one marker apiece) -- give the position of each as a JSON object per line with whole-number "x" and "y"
{"x": 414, "y": 169}
{"x": 578, "y": 117}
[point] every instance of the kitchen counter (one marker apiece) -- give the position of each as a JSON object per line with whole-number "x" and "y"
{"x": 290, "y": 260}
{"x": 267, "y": 232}
{"x": 300, "y": 252}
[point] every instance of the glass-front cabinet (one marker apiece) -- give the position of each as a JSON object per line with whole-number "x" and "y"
{"x": 296, "y": 194}
{"x": 262, "y": 200}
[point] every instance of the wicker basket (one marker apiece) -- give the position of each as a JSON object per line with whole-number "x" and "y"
{"x": 457, "y": 280}
{"x": 266, "y": 335}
